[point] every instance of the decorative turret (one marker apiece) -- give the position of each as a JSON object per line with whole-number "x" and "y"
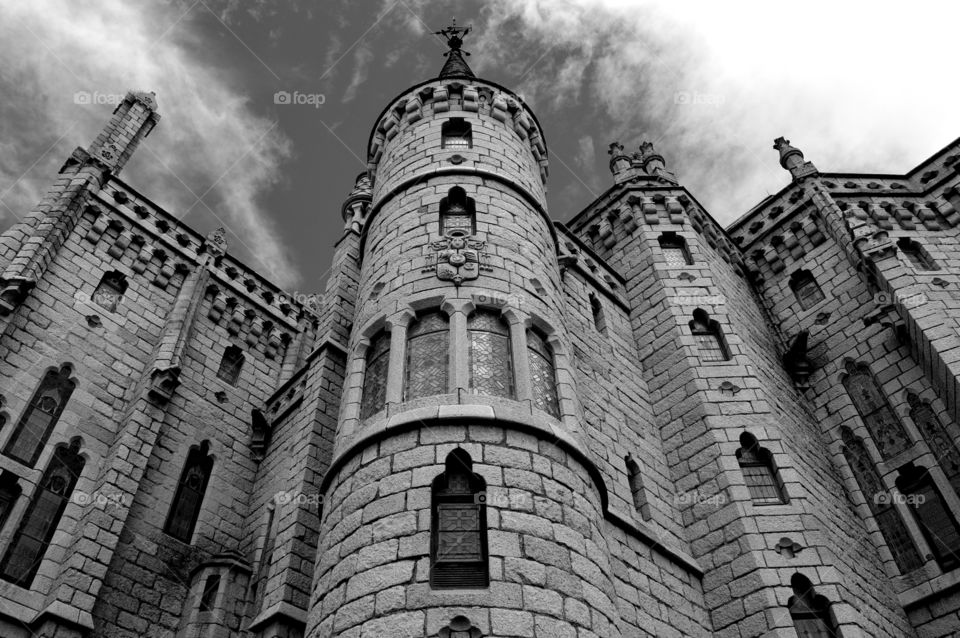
{"x": 653, "y": 162}
{"x": 619, "y": 161}
{"x": 791, "y": 158}
{"x": 132, "y": 120}
{"x": 357, "y": 203}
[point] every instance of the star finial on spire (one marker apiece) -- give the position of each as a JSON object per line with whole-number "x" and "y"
{"x": 454, "y": 36}
{"x": 455, "y": 64}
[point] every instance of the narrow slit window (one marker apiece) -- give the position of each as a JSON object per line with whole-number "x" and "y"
{"x": 711, "y": 345}
{"x": 882, "y": 422}
{"x": 428, "y": 354}
{"x": 491, "y": 360}
{"x": 458, "y": 547}
{"x": 208, "y": 599}
{"x": 456, "y": 134}
{"x": 42, "y": 518}
{"x": 185, "y": 509}
{"x": 806, "y": 289}
{"x": 40, "y": 416}
{"x": 374, "y": 396}
{"x": 110, "y": 291}
{"x": 543, "y": 374}
{"x": 599, "y": 319}
{"x": 675, "y": 249}
{"x": 759, "y": 472}
{"x": 637, "y": 490}
{"x": 916, "y": 255}
{"x": 230, "y": 365}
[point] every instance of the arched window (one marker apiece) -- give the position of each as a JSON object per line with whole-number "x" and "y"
{"x": 675, "y": 249}
{"x": 40, "y": 522}
{"x": 635, "y": 477}
{"x": 110, "y": 291}
{"x": 375, "y": 375}
{"x": 458, "y": 548}
{"x": 208, "y": 598}
{"x": 894, "y": 532}
{"x": 599, "y": 320}
{"x": 458, "y": 214}
{"x": 938, "y": 439}
{"x": 456, "y": 134}
{"x": 916, "y": 254}
{"x": 428, "y": 353}
{"x": 543, "y": 374}
{"x": 805, "y": 289}
{"x": 41, "y": 415}
{"x": 185, "y": 509}
{"x": 491, "y": 362}
{"x": 933, "y": 516}
{"x": 759, "y": 472}
{"x": 711, "y": 345}
{"x": 884, "y": 426}
{"x": 810, "y": 612}
{"x": 230, "y": 365}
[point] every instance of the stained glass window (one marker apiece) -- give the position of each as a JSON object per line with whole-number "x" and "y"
{"x": 675, "y": 249}
{"x": 758, "y": 472}
{"x": 185, "y": 509}
{"x": 456, "y": 134}
{"x": 706, "y": 333}
{"x": 110, "y": 291}
{"x": 915, "y": 254}
{"x": 40, "y": 416}
{"x": 885, "y": 428}
{"x": 40, "y": 522}
{"x": 230, "y": 365}
{"x": 375, "y": 375}
{"x": 805, "y": 289}
{"x": 894, "y": 532}
{"x": 428, "y": 352}
{"x": 810, "y": 612}
{"x": 939, "y": 440}
{"x": 932, "y": 514}
{"x": 457, "y": 213}
{"x": 491, "y": 361}
{"x": 543, "y": 375}
{"x": 459, "y": 538}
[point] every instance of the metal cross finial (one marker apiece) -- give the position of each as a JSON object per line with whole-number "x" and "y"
{"x": 454, "y": 35}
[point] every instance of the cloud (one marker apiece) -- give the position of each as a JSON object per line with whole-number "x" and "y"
{"x": 209, "y": 142}
{"x": 362, "y": 56}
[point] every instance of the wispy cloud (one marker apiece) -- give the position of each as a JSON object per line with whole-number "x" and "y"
{"x": 208, "y": 134}
{"x": 362, "y": 56}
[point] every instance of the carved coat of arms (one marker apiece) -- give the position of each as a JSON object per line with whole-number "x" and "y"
{"x": 459, "y": 258}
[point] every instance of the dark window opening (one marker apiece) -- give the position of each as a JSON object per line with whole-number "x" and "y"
{"x": 41, "y": 415}
{"x": 711, "y": 346}
{"x": 458, "y": 214}
{"x": 916, "y": 254}
{"x": 759, "y": 472}
{"x": 185, "y": 509}
{"x": 810, "y": 612}
{"x": 110, "y": 291}
{"x": 458, "y": 547}
{"x": 599, "y": 319}
{"x": 637, "y": 490}
{"x": 230, "y": 365}
{"x": 208, "y": 598}
{"x": 806, "y": 289}
{"x": 456, "y": 134}
{"x": 932, "y": 514}
{"x": 675, "y": 249}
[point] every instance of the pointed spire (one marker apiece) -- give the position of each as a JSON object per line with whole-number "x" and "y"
{"x": 456, "y": 65}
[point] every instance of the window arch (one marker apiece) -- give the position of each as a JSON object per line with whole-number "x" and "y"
{"x": 711, "y": 346}
{"x": 543, "y": 374}
{"x": 110, "y": 290}
{"x": 230, "y": 365}
{"x": 41, "y": 415}
{"x": 42, "y": 518}
{"x": 916, "y": 255}
{"x": 458, "y": 547}
{"x": 806, "y": 289}
{"x": 185, "y": 509}
{"x": 456, "y": 133}
{"x": 933, "y": 516}
{"x": 374, "y": 395}
{"x": 810, "y": 611}
{"x": 491, "y": 360}
{"x": 599, "y": 318}
{"x": 637, "y": 490}
{"x": 937, "y": 437}
{"x": 458, "y": 213}
{"x": 428, "y": 355}
{"x": 884, "y": 426}
{"x": 675, "y": 249}
{"x": 892, "y": 527}
{"x": 759, "y": 472}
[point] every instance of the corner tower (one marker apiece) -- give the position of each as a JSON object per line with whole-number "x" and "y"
{"x": 458, "y": 459}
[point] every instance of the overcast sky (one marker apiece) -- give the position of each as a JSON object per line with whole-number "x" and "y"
{"x": 858, "y": 86}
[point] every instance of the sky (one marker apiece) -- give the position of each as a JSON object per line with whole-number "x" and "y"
{"x": 858, "y": 86}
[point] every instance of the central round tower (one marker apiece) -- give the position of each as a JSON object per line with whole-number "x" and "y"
{"x": 460, "y": 500}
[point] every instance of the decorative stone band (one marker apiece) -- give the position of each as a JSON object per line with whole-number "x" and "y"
{"x": 438, "y": 416}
